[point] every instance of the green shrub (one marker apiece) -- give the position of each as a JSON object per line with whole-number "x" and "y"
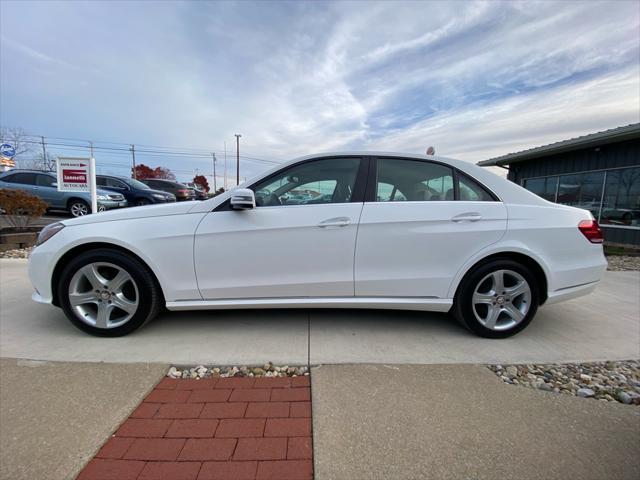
{"x": 19, "y": 207}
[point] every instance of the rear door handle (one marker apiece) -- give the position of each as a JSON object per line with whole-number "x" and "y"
{"x": 335, "y": 222}
{"x": 467, "y": 217}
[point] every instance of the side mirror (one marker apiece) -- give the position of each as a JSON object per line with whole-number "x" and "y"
{"x": 242, "y": 199}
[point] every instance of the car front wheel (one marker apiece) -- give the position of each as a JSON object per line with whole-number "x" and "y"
{"x": 108, "y": 293}
{"x": 78, "y": 208}
{"x": 497, "y": 299}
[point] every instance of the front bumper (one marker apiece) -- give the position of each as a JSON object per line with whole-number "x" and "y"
{"x": 111, "y": 204}
{"x": 41, "y": 264}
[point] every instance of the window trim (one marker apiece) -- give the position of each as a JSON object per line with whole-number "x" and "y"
{"x": 359, "y": 188}
{"x": 372, "y": 181}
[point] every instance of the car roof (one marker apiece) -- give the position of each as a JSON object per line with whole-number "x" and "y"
{"x": 27, "y": 170}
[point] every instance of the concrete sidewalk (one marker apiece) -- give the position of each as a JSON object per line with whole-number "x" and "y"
{"x": 461, "y": 422}
{"x": 55, "y": 416}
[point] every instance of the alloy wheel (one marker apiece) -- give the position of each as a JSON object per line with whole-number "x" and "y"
{"x": 79, "y": 209}
{"x": 103, "y": 295}
{"x": 501, "y": 300}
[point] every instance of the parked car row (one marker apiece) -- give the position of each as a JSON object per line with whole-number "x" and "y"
{"x": 112, "y": 192}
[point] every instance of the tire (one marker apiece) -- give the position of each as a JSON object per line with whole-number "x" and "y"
{"x": 139, "y": 294}
{"x": 487, "y": 312}
{"x": 78, "y": 207}
{"x": 140, "y": 202}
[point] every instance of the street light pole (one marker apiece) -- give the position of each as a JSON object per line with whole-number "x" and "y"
{"x": 213, "y": 157}
{"x": 238, "y": 158}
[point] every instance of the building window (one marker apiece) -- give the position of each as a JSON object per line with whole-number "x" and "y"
{"x": 621, "y": 203}
{"x": 619, "y": 206}
{"x": 543, "y": 187}
{"x": 583, "y": 190}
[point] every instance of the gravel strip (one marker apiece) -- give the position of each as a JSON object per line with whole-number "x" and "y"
{"x": 620, "y": 263}
{"x": 609, "y": 381}
{"x": 267, "y": 370}
{"x": 17, "y": 253}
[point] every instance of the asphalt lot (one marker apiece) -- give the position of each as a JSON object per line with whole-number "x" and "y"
{"x": 603, "y": 326}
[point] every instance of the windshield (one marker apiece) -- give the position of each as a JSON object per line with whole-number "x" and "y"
{"x": 136, "y": 184}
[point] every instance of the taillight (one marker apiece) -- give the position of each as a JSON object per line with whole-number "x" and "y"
{"x": 183, "y": 192}
{"x": 591, "y": 230}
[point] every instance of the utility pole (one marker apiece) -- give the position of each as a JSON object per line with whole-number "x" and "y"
{"x": 44, "y": 156}
{"x": 213, "y": 157}
{"x": 225, "y": 166}
{"x": 133, "y": 160}
{"x": 91, "y": 148}
{"x": 237, "y": 158}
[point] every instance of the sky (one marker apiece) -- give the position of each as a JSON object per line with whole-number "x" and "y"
{"x": 473, "y": 79}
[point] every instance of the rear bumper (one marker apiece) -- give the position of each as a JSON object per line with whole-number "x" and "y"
{"x": 570, "y": 292}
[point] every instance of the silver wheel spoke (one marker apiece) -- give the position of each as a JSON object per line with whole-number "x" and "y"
{"x": 513, "y": 312}
{"x": 115, "y": 285}
{"x": 498, "y": 281}
{"x": 82, "y": 298}
{"x": 124, "y": 304}
{"x": 492, "y": 317}
{"x": 104, "y": 312}
{"x": 91, "y": 273}
{"x": 518, "y": 290}
{"x": 483, "y": 298}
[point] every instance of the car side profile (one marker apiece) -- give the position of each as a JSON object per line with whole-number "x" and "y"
{"x": 136, "y": 193}
{"x": 180, "y": 191}
{"x": 343, "y": 230}
{"x": 43, "y": 185}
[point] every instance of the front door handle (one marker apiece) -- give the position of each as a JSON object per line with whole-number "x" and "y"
{"x": 335, "y": 222}
{"x": 467, "y": 217}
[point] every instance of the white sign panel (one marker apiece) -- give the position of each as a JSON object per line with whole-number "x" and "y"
{"x": 74, "y": 174}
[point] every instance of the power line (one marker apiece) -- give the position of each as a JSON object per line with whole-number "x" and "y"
{"x": 182, "y": 151}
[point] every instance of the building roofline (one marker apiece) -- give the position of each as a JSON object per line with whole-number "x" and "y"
{"x": 618, "y": 134}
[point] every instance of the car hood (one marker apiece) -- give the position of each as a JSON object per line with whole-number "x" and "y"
{"x": 161, "y": 210}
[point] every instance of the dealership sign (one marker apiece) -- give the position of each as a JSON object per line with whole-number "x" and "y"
{"x": 78, "y": 175}
{"x": 73, "y": 174}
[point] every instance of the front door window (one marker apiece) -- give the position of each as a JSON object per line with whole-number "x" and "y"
{"x": 317, "y": 182}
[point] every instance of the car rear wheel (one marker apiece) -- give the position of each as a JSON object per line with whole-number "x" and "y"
{"x": 78, "y": 207}
{"x": 108, "y": 293}
{"x": 497, "y": 299}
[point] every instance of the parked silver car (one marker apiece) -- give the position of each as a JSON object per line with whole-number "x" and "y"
{"x": 43, "y": 185}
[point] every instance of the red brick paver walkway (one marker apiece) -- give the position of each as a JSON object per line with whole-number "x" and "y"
{"x": 213, "y": 429}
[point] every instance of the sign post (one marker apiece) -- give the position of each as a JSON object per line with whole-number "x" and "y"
{"x": 78, "y": 175}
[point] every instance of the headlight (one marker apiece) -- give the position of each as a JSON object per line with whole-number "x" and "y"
{"x": 49, "y": 231}
{"x": 102, "y": 197}
{"x": 159, "y": 196}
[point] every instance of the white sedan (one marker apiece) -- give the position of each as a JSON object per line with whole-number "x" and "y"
{"x": 345, "y": 230}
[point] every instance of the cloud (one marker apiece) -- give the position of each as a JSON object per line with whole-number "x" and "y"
{"x": 474, "y": 79}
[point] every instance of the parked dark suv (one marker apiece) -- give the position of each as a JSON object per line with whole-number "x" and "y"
{"x": 136, "y": 193}
{"x": 182, "y": 192}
